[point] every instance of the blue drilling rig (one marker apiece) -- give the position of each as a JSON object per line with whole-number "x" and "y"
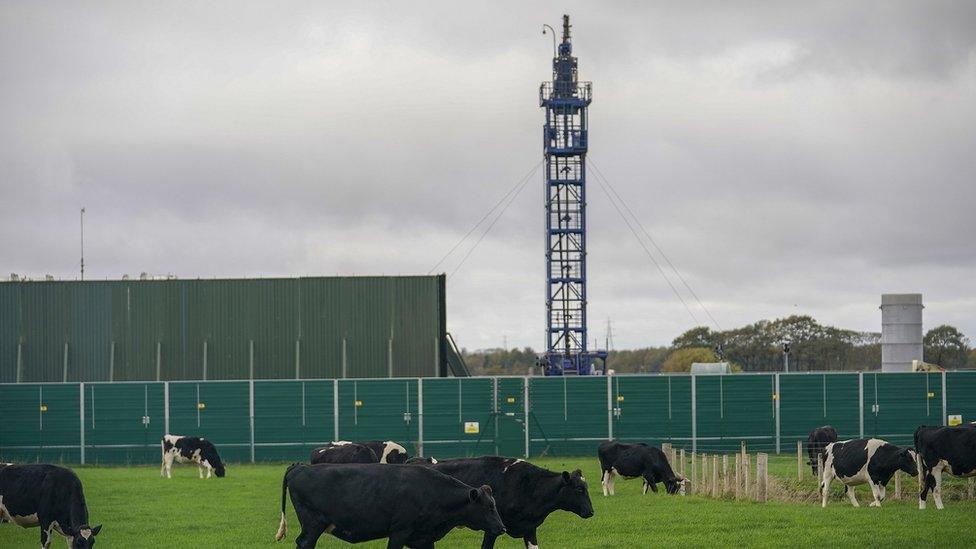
{"x": 565, "y": 142}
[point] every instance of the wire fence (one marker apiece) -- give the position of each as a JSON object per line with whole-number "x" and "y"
{"x": 283, "y": 420}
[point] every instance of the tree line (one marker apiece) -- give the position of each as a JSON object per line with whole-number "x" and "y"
{"x": 757, "y": 347}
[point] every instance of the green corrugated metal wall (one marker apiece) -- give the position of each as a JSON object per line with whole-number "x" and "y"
{"x": 270, "y": 420}
{"x": 321, "y": 327}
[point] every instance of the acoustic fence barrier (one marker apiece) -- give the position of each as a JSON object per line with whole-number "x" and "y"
{"x": 283, "y": 420}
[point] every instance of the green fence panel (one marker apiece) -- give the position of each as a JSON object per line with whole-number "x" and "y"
{"x": 568, "y": 415}
{"x": 374, "y": 409}
{"x": 510, "y": 420}
{"x": 291, "y": 418}
{"x": 218, "y": 411}
{"x": 124, "y": 422}
{"x": 652, "y": 409}
{"x": 961, "y": 395}
{"x": 732, "y": 409}
{"x": 896, "y": 404}
{"x": 808, "y": 401}
{"x": 41, "y": 423}
{"x": 458, "y": 417}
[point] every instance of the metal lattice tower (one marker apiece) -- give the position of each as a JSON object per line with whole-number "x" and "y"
{"x": 565, "y": 142}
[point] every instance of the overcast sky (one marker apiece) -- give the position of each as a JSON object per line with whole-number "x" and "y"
{"x": 800, "y": 157}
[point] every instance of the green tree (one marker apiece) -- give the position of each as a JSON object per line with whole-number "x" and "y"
{"x": 946, "y": 346}
{"x": 680, "y": 360}
{"x": 699, "y": 336}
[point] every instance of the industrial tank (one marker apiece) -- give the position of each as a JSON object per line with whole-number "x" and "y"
{"x": 901, "y": 331}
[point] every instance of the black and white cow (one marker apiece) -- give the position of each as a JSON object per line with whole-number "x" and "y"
{"x": 525, "y": 494}
{"x": 869, "y": 461}
{"x": 818, "y": 439}
{"x": 344, "y": 453}
{"x": 949, "y": 449}
{"x": 637, "y": 460}
{"x": 412, "y": 506}
{"x": 47, "y": 496}
{"x": 190, "y": 449}
{"x": 386, "y": 452}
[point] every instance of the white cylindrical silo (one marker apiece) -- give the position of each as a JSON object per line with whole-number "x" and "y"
{"x": 901, "y": 331}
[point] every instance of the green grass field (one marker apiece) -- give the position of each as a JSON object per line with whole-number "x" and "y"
{"x": 139, "y": 509}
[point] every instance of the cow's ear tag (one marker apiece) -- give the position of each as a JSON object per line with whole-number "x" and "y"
{"x": 473, "y": 494}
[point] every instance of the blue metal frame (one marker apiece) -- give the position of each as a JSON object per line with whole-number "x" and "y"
{"x": 565, "y": 144}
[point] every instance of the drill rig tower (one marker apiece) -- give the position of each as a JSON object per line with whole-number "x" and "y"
{"x": 565, "y": 143}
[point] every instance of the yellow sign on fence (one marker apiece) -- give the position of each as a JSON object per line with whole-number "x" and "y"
{"x": 955, "y": 419}
{"x": 43, "y": 407}
{"x": 359, "y": 404}
{"x": 201, "y": 406}
{"x": 471, "y": 428}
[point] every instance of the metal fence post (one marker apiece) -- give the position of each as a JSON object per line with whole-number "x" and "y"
{"x": 525, "y": 406}
{"x": 945, "y": 407}
{"x": 609, "y": 408}
{"x": 111, "y": 362}
{"x": 250, "y": 359}
{"x": 166, "y": 407}
{"x": 420, "y": 416}
{"x": 159, "y": 359}
{"x": 335, "y": 402}
{"x": 298, "y": 359}
{"x": 20, "y": 360}
{"x": 250, "y": 403}
{"x": 81, "y": 421}
{"x": 776, "y": 398}
{"x": 343, "y": 360}
{"x": 860, "y": 403}
{"x": 694, "y": 416}
{"x": 389, "y": 357}
{"x": 204, "y": 360}
{"x": 494, "y": 409}
{"x": 64, "y": 375}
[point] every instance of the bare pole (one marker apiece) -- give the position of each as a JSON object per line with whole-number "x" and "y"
{"x": 553, "y": 32}
{"x": 82, "y": 242}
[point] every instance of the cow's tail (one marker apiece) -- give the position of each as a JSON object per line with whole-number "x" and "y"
{"x": 283, "y": 524}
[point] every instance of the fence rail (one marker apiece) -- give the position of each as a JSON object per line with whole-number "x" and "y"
{"x": 281, "y": 420}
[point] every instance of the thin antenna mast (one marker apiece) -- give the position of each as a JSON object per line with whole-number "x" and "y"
{"x": 82, "y": 242}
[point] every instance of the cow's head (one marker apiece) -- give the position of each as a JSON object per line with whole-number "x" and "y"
{"x": 209, "y": 454}
{"x": 908, "y": 461}
{"x": 675, "y": 485}
{"x": 84, "y": 536}
{"x": 574, "y": 495}
{"x": 484, "y": 513}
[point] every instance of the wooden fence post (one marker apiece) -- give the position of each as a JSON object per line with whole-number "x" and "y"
{"x": 799, "y": 460}
{"x": 666, "y": 448}
{"x": 681, "y": 462}
{"x": 715, "y": 492}
{"x": 762, "y": 480}
{"x": 725, "y": 474}
{"x": 704, "y": 477}
{"x": 746, "y": 485}
{"x": 674, "y": 458}
{"x": 820, "y": 466}
{"x": 971, "y": 488}
{"x": 897, "y": 485}
{"x": 694, "y": 472}
{"x": 738, "y": 476}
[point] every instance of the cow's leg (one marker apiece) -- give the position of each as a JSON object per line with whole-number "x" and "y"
{"x": 850, "y": 494}
{"x": 884, "y": 491}
{"x": 644, "y": 487}
{"x": 209, "y": 470}
{"x": 603, "y": 481}
{"x": 46, "y": 530}
{"x": 167, "y": 464}
{"x": 313, "y": 525}
{"x": 612, "y": 480}
{"x": 876, "y": 492}
{"x": 398, "y": 541}
{"x": 488, "y": 541}
{"x": 828, "y": 475}
{"x": 530, "y": 539}
{"x": 162, "y": 466}
{"x": 937, "y": 491}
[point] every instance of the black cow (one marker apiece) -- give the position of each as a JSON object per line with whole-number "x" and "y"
{"x": 50, "y": 497}
{"x": 344, "y": 453}
{"x": 413, "y": 506}
{"x": 525, "y": 494}
{"x": 421, "y": 461}
{"x": 637, "y": 460}
{"x": 818, "y": 439}
{"x": 949, "y": 449}
{"x": 386, "y": 451}
{"x": 869, "y": 461}
{"x": 186, "y": 449}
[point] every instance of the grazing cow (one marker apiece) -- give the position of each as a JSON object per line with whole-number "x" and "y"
{"x": 949, "y": 449}
{"x": 525, "y": 494}
{"x": 412, "y": 506}
{"x": 818, "y": 439}
{"x": 50, "y": 497}
{"x": 421, "y": 461}
{"x": 865, "y": 460}
{"x": 344, "y": 453}
{"x": 387, "y": 452}
{"x": 186, "y": 449}
{"x": 637, "y": 460}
